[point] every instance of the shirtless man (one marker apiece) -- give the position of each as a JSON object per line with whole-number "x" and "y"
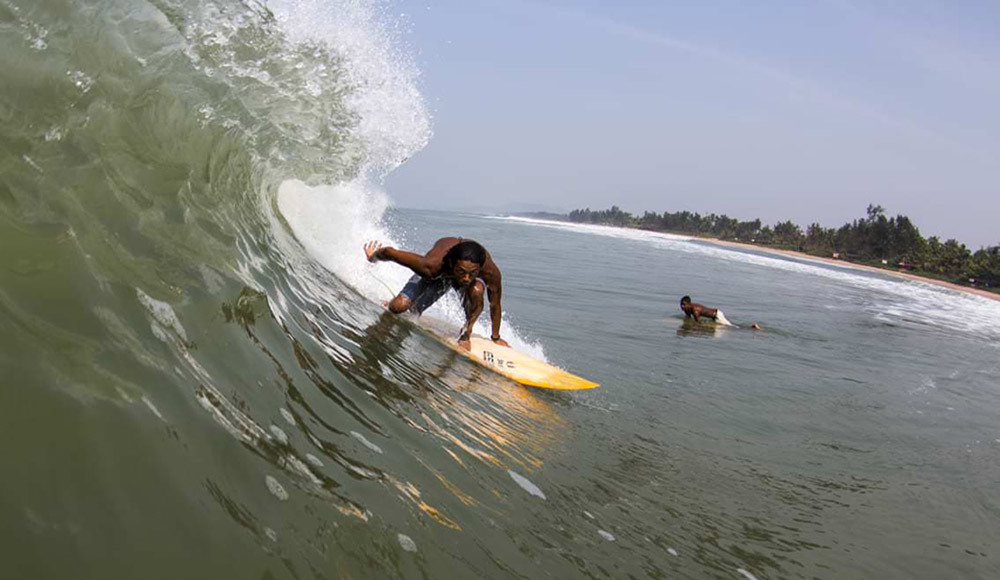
{"x": 452, "y": 264}
{"x": 697, "y": 311}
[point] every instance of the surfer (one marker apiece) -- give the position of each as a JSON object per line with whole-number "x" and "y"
{"x": 451, "y": 264}
{"x": 699, "y": 311}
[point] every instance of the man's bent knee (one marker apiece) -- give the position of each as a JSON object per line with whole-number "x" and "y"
{"x": 400, "y": 304}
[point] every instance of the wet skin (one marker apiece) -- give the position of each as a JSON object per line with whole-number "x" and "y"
{"x": 470, "y": 277}
{"x": 695, "y": 310}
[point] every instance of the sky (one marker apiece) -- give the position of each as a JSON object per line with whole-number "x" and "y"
{"x": 801, "y": 110}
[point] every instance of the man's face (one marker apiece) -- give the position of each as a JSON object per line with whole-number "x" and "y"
{"x": 465, "y": 271}
{"x": 686, "y": 306}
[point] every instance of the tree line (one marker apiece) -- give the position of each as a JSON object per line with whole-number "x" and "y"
{"x": 875, "y": 239}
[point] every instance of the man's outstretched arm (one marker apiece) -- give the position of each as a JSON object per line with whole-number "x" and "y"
{"x": 376, "y": 251}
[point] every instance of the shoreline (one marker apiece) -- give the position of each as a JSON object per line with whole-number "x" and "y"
{"x": 846, "y": 264}
{"x": 794, "y": 254}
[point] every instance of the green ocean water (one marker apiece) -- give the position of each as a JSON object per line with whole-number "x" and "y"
{"x": 197, "y": 381}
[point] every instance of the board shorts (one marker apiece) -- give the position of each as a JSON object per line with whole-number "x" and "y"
{"x": 721, "y": 318}
{"x": 423, "y": 292}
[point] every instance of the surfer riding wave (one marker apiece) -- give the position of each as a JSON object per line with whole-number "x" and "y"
{"x": 451, "y": 264}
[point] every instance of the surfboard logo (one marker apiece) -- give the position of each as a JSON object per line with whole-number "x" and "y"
{"x": 493, "y": 361}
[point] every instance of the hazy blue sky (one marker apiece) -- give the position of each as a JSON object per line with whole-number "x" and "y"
{"x": 780, "y": 110}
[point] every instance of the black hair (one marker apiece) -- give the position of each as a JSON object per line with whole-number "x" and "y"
{"x": 464, "y": 250}
{"x": 685, "y": 299}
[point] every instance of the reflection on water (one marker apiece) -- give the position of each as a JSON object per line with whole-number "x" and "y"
{"x": 689, "y": 328}
{"x": 471, "y": 413}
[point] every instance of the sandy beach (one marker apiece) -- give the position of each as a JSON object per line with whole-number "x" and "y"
{"x": 843, "y": 263}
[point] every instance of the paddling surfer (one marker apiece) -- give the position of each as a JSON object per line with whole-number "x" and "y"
{"x": 451, "y": 264}
{"x": 699, "y": 311}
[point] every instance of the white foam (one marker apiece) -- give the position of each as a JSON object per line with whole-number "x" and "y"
{"x": 526, "y": 484}
{"x": 366, "y": 442}
{"x": 606, "y": 231}
{"x": 159, "y": 333}
{"x": 162, "y": 313}
{"x": 279, "y": 434}
{"x": 333, "y": 222}
{"x": 393, "y": 121}
{"x": 153, "y": 408}
{"x": 406, "y": 542}
{"x": 276, "y": 489}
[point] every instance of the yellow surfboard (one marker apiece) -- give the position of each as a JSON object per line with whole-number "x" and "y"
{"x": 510, "y": 363}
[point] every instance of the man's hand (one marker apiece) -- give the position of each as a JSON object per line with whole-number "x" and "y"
{"x": 371, "y": 250}
{"x": 465, "y": 343}
{"x": 501, "y": 342}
